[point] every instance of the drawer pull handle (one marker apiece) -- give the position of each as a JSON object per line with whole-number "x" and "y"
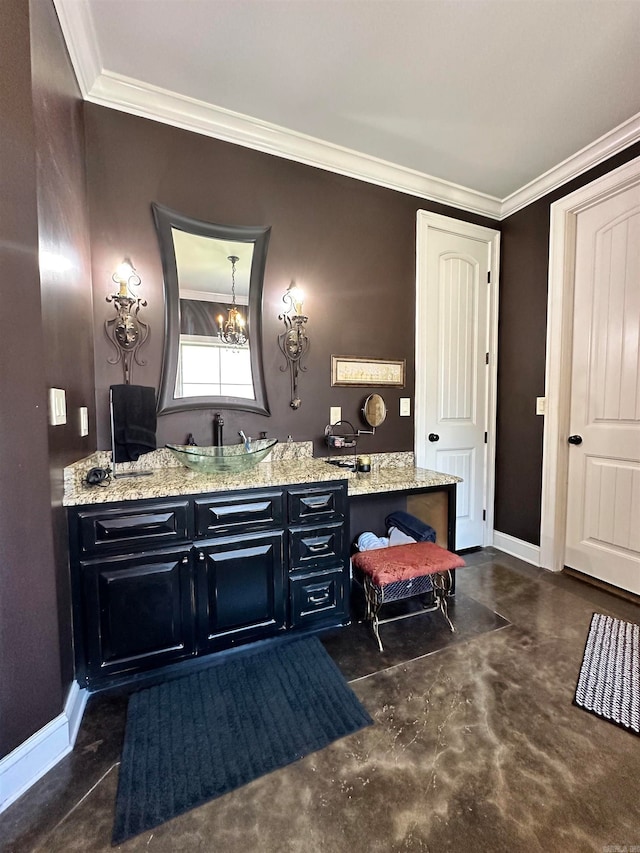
{"x": 184, "y": 561}
{"x": 317, "y": 503}
{"x": 113, "y": 526}
{"x": 318, "y": 599}
{"x": 236, "y": 509}
{"x": 322, "y": 547}
{"x": 201, "y": 556}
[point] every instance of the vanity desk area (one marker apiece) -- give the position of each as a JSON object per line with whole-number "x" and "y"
{"x": 170, "y": 567}
{"x": 234, "y": 543}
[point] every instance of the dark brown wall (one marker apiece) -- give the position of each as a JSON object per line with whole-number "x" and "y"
{"x": 31, "y": 692}
{"x": 46, "y": 333}
{"x": 67, "y": 313}
{"x": 521, "y": 357}
{"x": 351, "y": 246}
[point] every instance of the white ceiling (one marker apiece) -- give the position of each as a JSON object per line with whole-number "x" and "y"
{"x": 484, "y": 95}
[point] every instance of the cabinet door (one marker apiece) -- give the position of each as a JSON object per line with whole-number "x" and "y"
{"x": 240, "y": 589}
{"x": 137, "y": 612}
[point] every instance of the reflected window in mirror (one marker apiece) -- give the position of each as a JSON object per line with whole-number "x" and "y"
{"x": 208, "y": 367}
{"x": 213, "y": 297}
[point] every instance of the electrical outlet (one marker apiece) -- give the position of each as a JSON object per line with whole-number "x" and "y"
{"x": 335, "y": 414}
{"x": 405, "y": 407}
{"x": 541, "y": 405}
{"x": 57, "y": 407}
{"x": 84, "y": 421}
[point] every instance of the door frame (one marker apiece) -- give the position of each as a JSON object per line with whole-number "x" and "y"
{"x": 559, "y": 353}
{"x": 424, "y": 221}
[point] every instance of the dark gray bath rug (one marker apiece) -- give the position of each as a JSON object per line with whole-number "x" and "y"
{"x": 192, "y": 739}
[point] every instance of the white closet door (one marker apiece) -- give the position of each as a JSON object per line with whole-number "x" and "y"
{"x": 603, "y": 509}
{"x": 454, "y": 337}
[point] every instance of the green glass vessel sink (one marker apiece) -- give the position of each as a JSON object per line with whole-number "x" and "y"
{"x": 228, "y": 459}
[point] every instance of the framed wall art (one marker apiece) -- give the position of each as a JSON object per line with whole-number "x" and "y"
{"x": 346, "y": 370}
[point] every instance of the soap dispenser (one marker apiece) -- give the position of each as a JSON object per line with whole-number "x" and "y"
{"x": 218, "y": 423}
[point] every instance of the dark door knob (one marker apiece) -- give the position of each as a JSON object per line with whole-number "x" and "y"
{"x": 433, "y": 437}
{"x": 575, "y": 439}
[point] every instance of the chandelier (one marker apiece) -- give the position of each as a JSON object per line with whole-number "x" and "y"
{"x": 233, "y": 330}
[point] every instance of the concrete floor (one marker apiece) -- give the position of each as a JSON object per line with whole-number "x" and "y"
{"x": 476, "y": 745}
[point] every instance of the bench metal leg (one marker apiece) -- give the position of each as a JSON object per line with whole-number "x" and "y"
{"x": 442, "y": 585}
{"x": 374, "y": 597}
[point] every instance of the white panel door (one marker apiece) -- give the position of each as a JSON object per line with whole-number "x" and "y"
{"x": 603, "y": 506}
{"x": 454, "y": 340}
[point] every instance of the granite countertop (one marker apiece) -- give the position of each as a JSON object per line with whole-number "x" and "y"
{"x": 287, "y": 464}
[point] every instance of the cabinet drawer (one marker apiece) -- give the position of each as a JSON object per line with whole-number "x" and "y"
{"x": 317, "y": 504}
{"x": 317, "y": 597}
{"x": 317, "y": 546}
{"x": 224, "y": 515}
{"x": 155, "y": 524}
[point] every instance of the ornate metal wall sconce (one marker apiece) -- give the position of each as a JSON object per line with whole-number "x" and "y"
{"x": 293, "y": 342}
{"x": 126, "y": 331}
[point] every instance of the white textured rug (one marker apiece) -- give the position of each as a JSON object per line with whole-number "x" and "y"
{"x": 609, "y": 680}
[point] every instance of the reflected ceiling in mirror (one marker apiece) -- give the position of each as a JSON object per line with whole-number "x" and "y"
{"x": 213, "y": 298}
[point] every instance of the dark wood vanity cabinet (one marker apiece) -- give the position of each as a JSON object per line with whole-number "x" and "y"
{"x": 157, "y": 582}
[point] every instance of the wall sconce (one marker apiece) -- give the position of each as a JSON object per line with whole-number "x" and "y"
{"x": 293, "y": 342}
{"x": 233, "y": 331}
{"x": 126, "y": 331}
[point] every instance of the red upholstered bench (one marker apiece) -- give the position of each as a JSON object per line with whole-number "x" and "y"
{"x": 405, "y": 571}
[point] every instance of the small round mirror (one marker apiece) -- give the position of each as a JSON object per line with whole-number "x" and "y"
{"x": 374, "y": 410}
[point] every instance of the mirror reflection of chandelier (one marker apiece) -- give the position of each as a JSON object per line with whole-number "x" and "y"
{"x": 233, "y": 330}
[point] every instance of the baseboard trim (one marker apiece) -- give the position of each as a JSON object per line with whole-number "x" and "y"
{"x": 43, "y": 750}
{"x": 517, "y": 547}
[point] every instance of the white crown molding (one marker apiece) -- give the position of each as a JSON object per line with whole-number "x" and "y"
{"x": 22, "y": 768}
{"x": 79, "y": 34}
{"x": 606, "y": 146}
{"x": 142, "y": 99}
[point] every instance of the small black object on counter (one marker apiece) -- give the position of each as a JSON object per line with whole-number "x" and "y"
{"x": 98, "y": 476}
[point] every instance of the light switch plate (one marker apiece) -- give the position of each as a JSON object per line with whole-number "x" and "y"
{"x": 405, "y": 407}
{"x": 541, "y": 405}
{"x": 57, "y": 407}
{"x": 84, "y": 421}
{"x": 335, "y": 414}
